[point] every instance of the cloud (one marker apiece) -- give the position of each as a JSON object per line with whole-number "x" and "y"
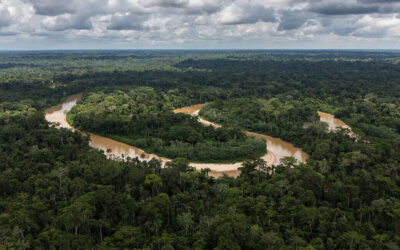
{"x": 164, "y": 3}
{"x": 204, "y": 6}
{"x": 191, "y": 7}
{"x": 201, "y": 22}
{"x": 342, "y": 8}
{"x": 127, "y": 22}
{"x": 8, "y": 33}
{"x": 53, "y": 7}
{"x": 354, "y": 7}
{"x": 245, "y": 14}
{"x": 379, "y": 1}
{"x": 291, "y": 20}
{"x": 4, "y": 17}
{"x": 377, "y": 27}
{"x": 66, "y": 22}
{"x": 341, "y": 27}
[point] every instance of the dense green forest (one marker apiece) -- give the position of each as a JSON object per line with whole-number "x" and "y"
{"x": 56, "y": 192}
{"x": 282, "y": 116}
{"x": 144, "y": 118}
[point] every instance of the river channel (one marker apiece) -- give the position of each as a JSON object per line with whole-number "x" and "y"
{"x": 277, "y": 148}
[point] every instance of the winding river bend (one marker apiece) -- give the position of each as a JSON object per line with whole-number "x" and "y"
{"x": 277, "y": 148}
{"x": 111, "y": 148}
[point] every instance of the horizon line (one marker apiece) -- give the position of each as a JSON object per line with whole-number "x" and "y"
{"x": 195, "y": 49}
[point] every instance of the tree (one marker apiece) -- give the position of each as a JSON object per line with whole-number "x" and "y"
{"x": 271, "y": 240}
{"x": 352, "y": 239}
{"x": 185, "y": 220}
{"x": 154, "y": 181}
{"x": 78, "y": 213}
{"x": 181, "y": 164}
{"x": 297, "y": 242}
{"x": 309, "y": 215}
{"x": 127, "y": 237}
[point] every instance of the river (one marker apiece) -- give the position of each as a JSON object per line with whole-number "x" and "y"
{"x": 335, "y": 123}
{"x": 277, "y": 148}
{"x": 111, "y": 148}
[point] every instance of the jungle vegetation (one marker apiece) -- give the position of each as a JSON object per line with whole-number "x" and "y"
{"x": 144, "y": 118}
{"x": 56, "y": 192}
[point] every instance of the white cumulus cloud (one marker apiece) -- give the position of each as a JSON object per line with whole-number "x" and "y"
{"x": 198, "y": 23}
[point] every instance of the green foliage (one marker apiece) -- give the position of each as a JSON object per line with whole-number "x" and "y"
{"x": 56, "y": 192}
{"x": 280, "y": 117}
{"x": 143, "y": 117}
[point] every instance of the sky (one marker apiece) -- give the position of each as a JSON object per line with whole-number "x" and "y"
{"x": 199, "y": 24}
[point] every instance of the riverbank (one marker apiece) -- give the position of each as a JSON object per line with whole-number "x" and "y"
{"x": 276, "y": 148}
{"x": 335, "y": 123}
{"x": 131, "y": 142}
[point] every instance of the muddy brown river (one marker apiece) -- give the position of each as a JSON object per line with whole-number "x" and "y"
{"x": 277, "y": 148}
{"x": 334, "y": 123}
{"x": 111, "y": 148}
